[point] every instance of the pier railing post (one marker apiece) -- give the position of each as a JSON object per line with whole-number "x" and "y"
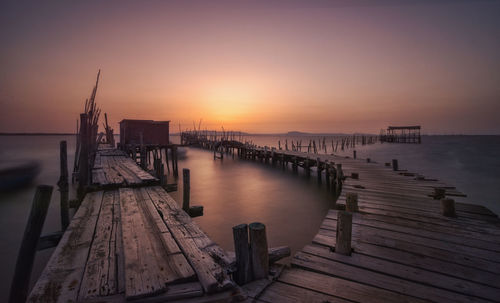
{"x": 243, "y": 272}
{"x": 351, "y": 202}
{"x": 344, "y": 233}
{"x": 26, "y": 256}
{"x": 258, "y": 245}
{"x": 186, "y": 189}
{"x": 448, "y": 207}
{"x": 63, "y": 185}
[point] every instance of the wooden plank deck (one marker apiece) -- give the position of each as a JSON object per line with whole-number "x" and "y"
{"x": 130, "y": 241}
{"x": 114, "y": 169}
{"x": 404, "y": 250}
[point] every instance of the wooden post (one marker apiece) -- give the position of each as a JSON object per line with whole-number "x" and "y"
{"x": 83, "y": 167}
{"x": 351, "y": 204}
{"x": 354, "y": 154}
{"x": 186, "y": 188}
{"x": 258, "y": 245}
{"x": 448, "y": 207}
{"x": 63, "y": 185}
{"x": 395, "y": 165}
{"x": 368, "y": 160}
{"x": 355, "y": 175}
{"x": 318, "y": 167}
{"x": 344, "y": 233}
{"x": 26, "y": 256}
{"x": 243, "y": 272}
{"x": 175, "y": 168}
{"x": 307, "y": 167}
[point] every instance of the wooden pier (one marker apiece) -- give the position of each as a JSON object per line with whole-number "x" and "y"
{"x": 129, "y": 240}
{"x": 407, "y": 239}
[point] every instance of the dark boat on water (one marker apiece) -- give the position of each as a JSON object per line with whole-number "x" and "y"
{"x": 16, "y": 174}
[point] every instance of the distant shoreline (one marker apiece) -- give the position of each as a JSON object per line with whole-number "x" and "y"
{"x": 249, "y": 134}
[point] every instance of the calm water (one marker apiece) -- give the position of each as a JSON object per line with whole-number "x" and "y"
{"x": 234, "y": 191}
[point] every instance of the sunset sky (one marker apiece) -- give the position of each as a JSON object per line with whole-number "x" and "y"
{"x": 256, "y": 66}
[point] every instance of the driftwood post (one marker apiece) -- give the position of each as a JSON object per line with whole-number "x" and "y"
{"x": 26, "y": 256}
{"x": 243, "y": 272}
{"x": 258, "y": 245}
{"x": 63, "y": 185}
{"x": 186, "y": 188}
{"x": 344, "y": 233}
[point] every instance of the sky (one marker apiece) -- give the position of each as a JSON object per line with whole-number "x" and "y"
{"x": 255, "y": 66}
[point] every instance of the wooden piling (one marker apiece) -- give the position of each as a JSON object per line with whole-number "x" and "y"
{"x": 354, "y": 154}
{"x": 351, "y": 202}
{"x": 64, "y": 185}
{"x": 186, "y": 189}
{"x": 395, "y": 166}
{"x": 344, "y": 233}
{"x": 243, "y": 272}
{"x": 83, "y": 167}
{"x": 20, "y": 282}
{"x": 318, "y": 167}
{"x": 448, "y": 207}
{"x": 258, "y": 244}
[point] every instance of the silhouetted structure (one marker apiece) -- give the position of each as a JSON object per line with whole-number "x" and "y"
{"x": 401, "y": 134}
{"x": 145, "y": 132}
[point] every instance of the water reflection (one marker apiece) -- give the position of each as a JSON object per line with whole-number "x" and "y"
{"x": 235, "y": 191}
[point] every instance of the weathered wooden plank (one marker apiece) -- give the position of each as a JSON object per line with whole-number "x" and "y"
{"x": 128, "y": 176}
{"x": 173, "y": 255}
{"x": 364, "y": 231}
{"x": 418, "y": 230}
{"x": 60, "y": 280}
{"x": 368, "y": 277}
{"x": 280, "y": 292}
{"x": 431, "y": 226}
{"x": 211, "y": 275}
{"x": 418, "y": 275}
{"x": 147, "y": 271}
{"x": 327, "y": 237}
{"x": 99, "y": 277}
{"x": 338, "y": 287}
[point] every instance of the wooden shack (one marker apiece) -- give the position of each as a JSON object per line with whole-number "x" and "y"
{"x": 147, "y": 132}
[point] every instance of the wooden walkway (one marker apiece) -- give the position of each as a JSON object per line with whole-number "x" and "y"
{"x": 404, "y": 250}
{"x": 131, "y": 241}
